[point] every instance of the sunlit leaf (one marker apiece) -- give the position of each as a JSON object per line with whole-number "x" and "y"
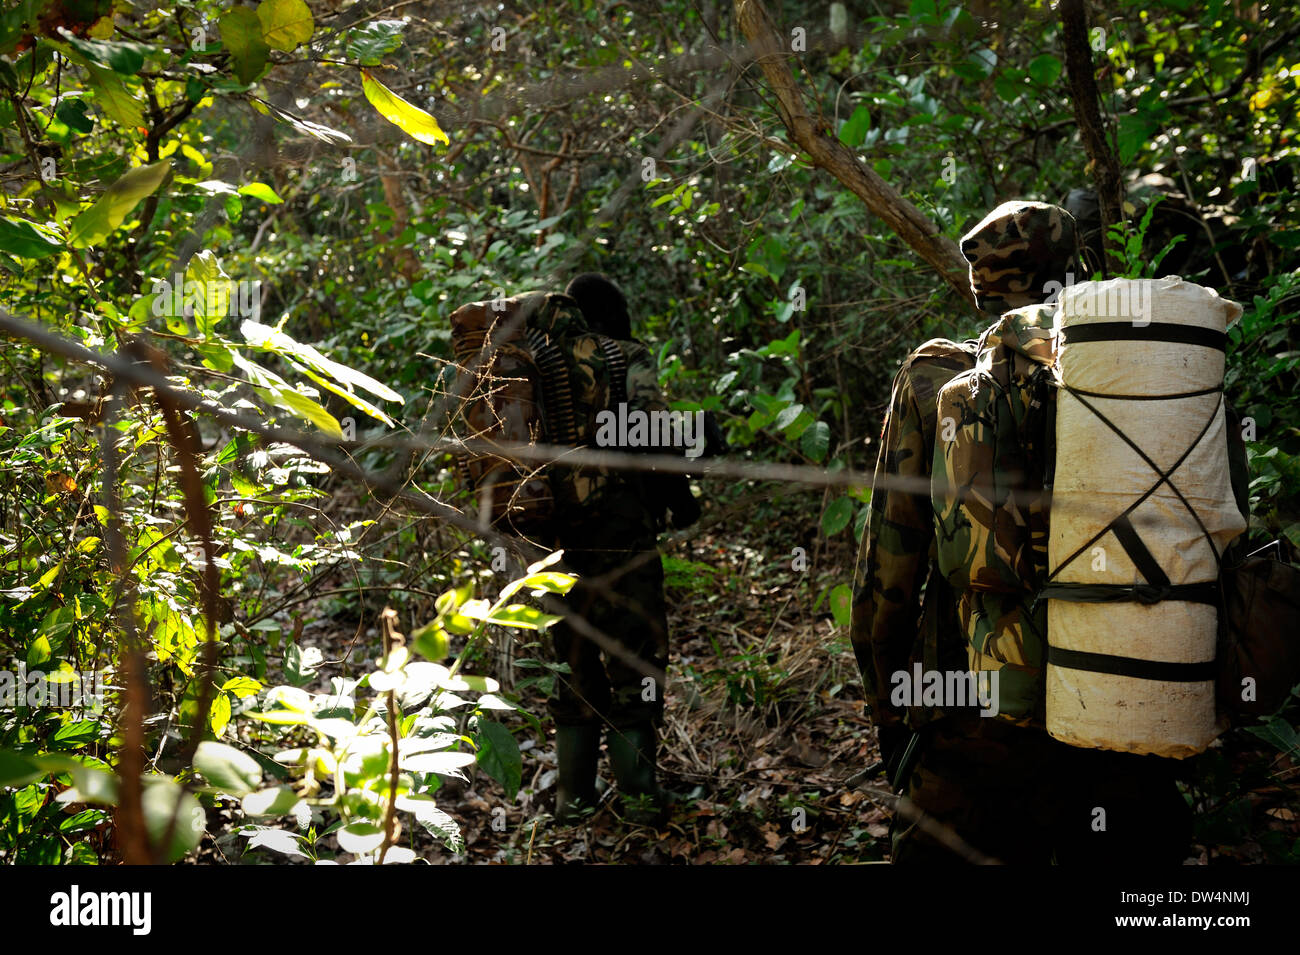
{"x": 360, "y": 838}
{"x": 270, "y": 802}
{"x": 286, "y": 24}
{"x": 227, "y": 768}
{"x": 260, "y": 190}
{"x": 278, "y": 840}
{"x": 112, "y": 208}
{"x": 28, "y": 240}
{"x": 412, "y": 120}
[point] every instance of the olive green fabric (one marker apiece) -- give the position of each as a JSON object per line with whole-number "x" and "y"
{"x": 991, "y": 509}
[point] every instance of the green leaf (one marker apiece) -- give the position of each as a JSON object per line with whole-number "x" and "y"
{"x": 412, "y": 120}
{"x": 241, "y": 686}
{"x": 164, "y": 799}
{"x": 17, "y": 770}
{"x": 788, "y": 416}
{"x": 837, "y": 516}
{"x": 300, "y": 665}
{"x": 274, "y": 390}
{"x": 923, "y": 10}
{"x": 219, "y": 714}
{"x": 39, "y": 651}
{"x": 1045, "y": 69}
{"x": 260, "y": 190}
{"x": 270, "y": 802}
{"x": 1133, "y": 133}
{"x": 208, "y": 289}
{"x": 551, "y": 581}
{"x": 281, "y": 717}
{"x": 75, "y": 735}
{"x": 227, "y": 768}
{"x": 360, "y": 838}
{"x": 269, "y": 339}
{"x": 86, "y": 819}
{"x": 113, "y": 97}
{"x": 370, "y": 43}
{"x": 1279, "y": 733}
{"x": 73, "y": 114}
{"x": 1009, "y": 85}
{"x": 855, "y": 127}
{"x": 512, "y": 615}
{"x": 112, "y": 208}
{"x": 816, "y": 441}
{"x": 841, "y": 601}
{"x": 28, "y": 240}
{"x": 431, "y": 642}
{"x": 123, "y": 57}
{"x": 286, "y": 24}
{"x": 436, "y": 822}
{"x": 443, "y": 764}
{"x": 241, "y": 34}
{"x": 498, "y": 755}
{"x": 324, "y": 133}
{"x": 278, "y": 840}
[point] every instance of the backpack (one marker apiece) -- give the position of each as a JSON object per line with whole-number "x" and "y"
{"x": 1259, "y": 648}
{"x": 531, "y": 372}
{"x": 994, "y": 472}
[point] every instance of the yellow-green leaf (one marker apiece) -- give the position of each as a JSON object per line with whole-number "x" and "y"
{"x": 241, "y": 686}
{"x": 112, "y": 96}
{"x": 260, "y": 190}
{"x": 412, "y": 120}
{"x": 286, "y": 24}
{"x": 208, "y": 288}
{"x": 275, "y": 390}
{"x": 219, "y": 714}
{"x": 241, "y": 34}
{"x": 112, "y": 208}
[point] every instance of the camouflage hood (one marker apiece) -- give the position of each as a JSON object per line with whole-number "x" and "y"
{"x": 1026, "y": 331}
{"x": 1016, "y": 250}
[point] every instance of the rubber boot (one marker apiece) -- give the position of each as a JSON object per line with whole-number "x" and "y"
{"x": 632, "y": 757}
{"x": 577, "y": 749}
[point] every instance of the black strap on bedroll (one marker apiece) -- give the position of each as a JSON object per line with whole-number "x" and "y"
{"x": 1161, "y": 332}
{"x": 1203, "y": 672}
{"x": 1158, "y": 586}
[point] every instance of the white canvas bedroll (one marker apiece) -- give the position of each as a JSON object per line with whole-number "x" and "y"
{"x": 1127, "y": 671}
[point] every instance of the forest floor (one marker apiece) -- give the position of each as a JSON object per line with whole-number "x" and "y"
{"x": 765, "y": 726}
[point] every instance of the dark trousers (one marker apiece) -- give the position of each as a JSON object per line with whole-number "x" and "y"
{"x": 620, "y": 593}
{"x": 1018, "y": 796}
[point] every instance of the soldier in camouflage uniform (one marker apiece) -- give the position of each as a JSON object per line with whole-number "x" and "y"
{"x": 1003, "y": 785}
{"x": 610, "y": 541}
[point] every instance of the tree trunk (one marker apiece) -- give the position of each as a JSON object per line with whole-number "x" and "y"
{"x": 1101, "y": 157}
{"x": 830, "y": 154}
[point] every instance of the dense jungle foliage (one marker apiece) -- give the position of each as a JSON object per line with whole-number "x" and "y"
{"x": 277, "y": 205}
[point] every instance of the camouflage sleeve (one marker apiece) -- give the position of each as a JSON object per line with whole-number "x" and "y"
{"x": 893, "y": 558}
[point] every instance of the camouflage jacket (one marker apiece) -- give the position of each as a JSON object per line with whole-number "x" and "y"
{"x": 901, "y": 606}
{"x": 991, "y": 510}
